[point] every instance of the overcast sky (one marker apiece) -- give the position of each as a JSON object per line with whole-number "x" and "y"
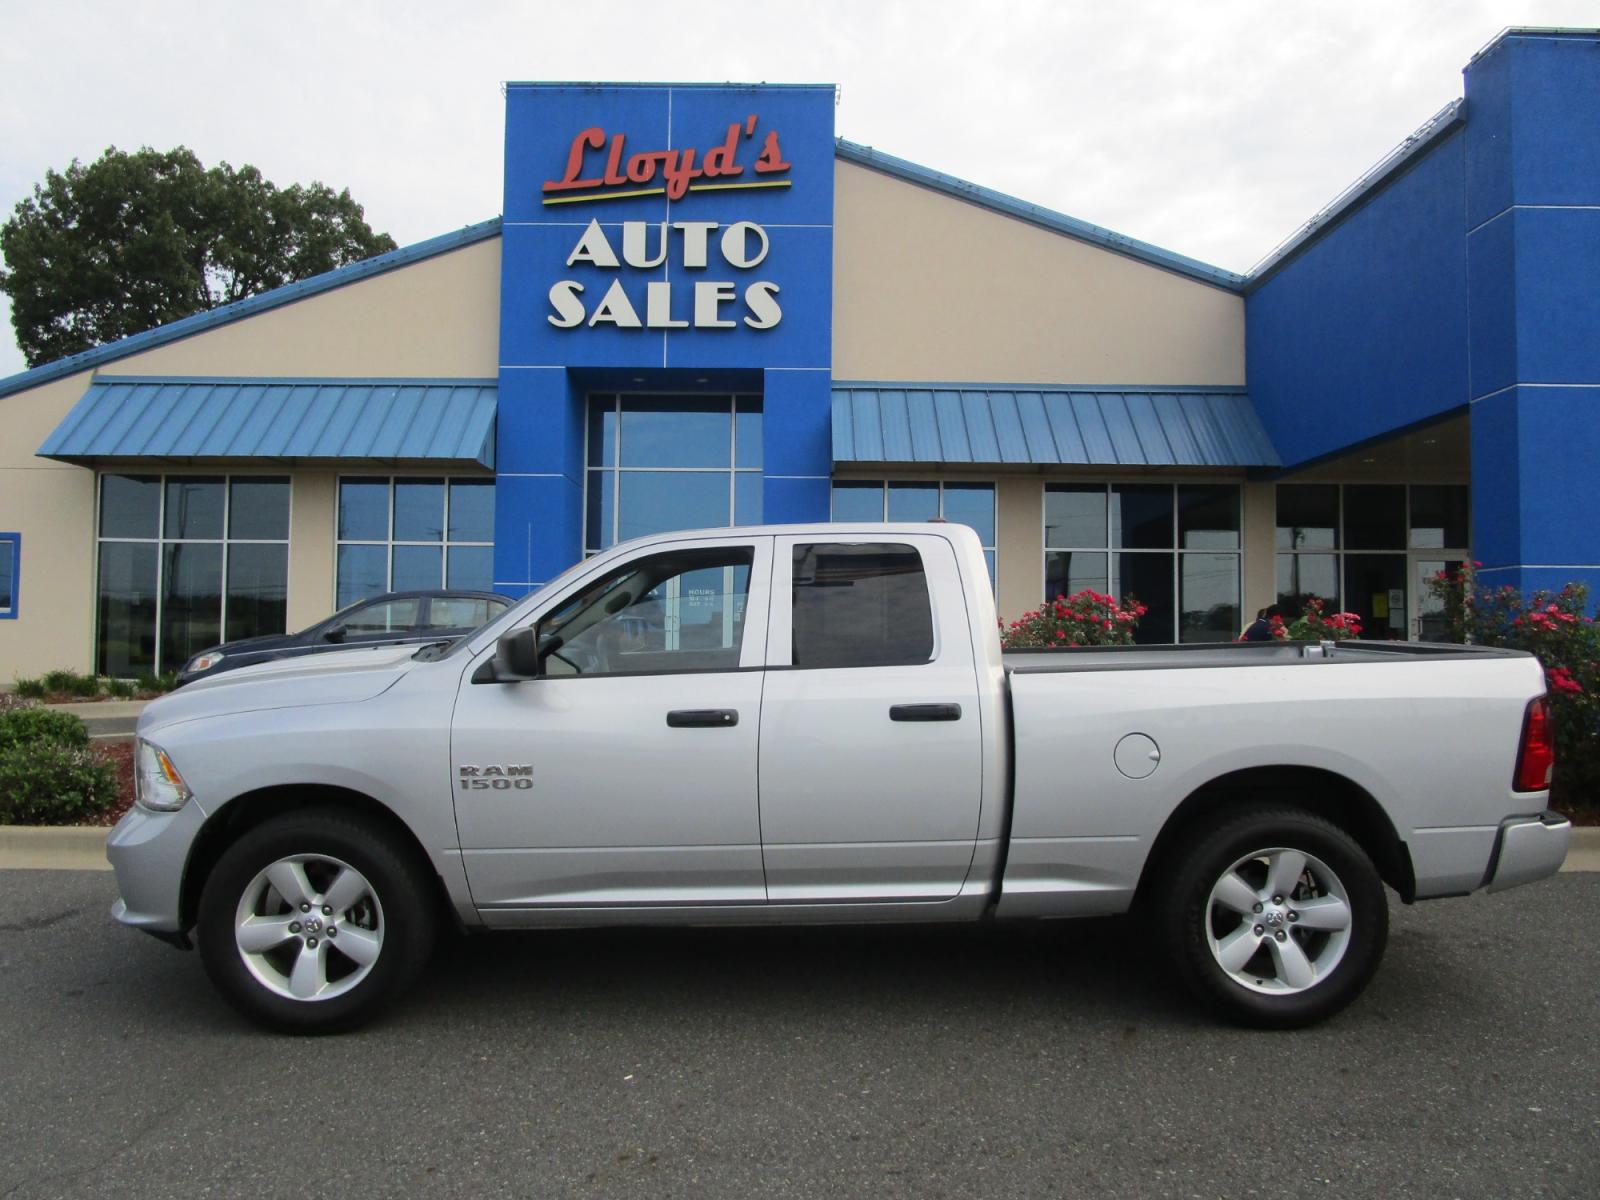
{"x": 1213, "y": 129}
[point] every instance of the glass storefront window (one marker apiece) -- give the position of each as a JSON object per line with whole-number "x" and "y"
{"x": 1308, "y": 516}
{"x": 1365, "y": 535}
{"x": 1175, "y": 550}
{"x": 406, "y": 533}
{"x": 962, "y": 503}
{"x": 1375, "y": 516}
{"x": 659, "y": 463}
{"x": 10, "y": 551}
{"x": 186, "y": 562}
{"x": 1439, "y": 516}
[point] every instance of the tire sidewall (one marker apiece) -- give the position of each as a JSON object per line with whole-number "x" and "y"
{"x": 1187, "y": 912}
{"x": 407, "y": 919}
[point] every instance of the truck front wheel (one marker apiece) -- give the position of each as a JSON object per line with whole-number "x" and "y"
{"x": 1276, "y": 918}
{"x": 313, "y": 920}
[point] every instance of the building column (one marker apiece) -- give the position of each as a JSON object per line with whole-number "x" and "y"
{"x": 1533, "y": 255}
{"x": 1019, "y": 545}
{"x": 538, "y": 487}
{"x": 1258, "y": 542}
{"x": 796, "y": 445}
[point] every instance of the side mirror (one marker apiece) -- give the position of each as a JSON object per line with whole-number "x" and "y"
{"x": 517, "y": 655}
{"x": 336, "y": 634}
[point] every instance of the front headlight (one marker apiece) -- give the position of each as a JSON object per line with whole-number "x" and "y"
{"x": 202, "y": 662}
{"x": 156, "y": 782}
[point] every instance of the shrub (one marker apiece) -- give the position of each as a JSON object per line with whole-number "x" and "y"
{"x": 154, "y": 685}
{"x": 52, "y": 783}
{"x": 70, "y": 683}
{"x": 121, "y": 689}
{"x": 1087, "y": 618}
{"x": 30, "y": 724}
{"x": 32, "y": 689}
{"x": 1312, "y": 626}
{"x": 1556, "y": 629}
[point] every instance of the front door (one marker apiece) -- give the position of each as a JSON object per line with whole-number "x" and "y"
{"x": 871, "y": 741}
{"x": 1430, "y": 623}
{"x": 626, "y": 773}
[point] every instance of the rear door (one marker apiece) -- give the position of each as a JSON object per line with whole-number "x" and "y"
{"x": 871, "y": 754}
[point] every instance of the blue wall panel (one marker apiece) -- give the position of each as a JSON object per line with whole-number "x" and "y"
{"x": 1365, "y": 331}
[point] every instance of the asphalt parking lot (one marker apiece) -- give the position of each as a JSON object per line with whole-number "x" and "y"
{"x": 1046, "y": 1060}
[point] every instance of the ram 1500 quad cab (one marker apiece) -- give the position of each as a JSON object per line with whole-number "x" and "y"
{"x": 817, "y": 724}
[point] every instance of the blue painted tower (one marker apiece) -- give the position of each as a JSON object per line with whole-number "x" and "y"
{"x": 663, "y": 240}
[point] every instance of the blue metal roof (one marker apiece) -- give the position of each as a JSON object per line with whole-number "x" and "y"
{"x": 249, "y": 306}
{"x": 367, "y": 420}
{"x": 978, "y": 423}
{"x": 1034, "y": 214}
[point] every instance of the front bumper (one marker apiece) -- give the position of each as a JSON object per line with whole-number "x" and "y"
{"x": 148, "y": 852}
{"x": 1529, "y": 848}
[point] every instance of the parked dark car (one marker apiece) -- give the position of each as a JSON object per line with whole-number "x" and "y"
{"x": 387, "y": 620}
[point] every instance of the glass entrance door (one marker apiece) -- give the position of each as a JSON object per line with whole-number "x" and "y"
{"x": 1428, "y": 623}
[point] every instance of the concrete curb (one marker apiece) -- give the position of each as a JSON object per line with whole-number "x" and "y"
{"x": 53, "y": 848}
{"x": 83, "y": 848}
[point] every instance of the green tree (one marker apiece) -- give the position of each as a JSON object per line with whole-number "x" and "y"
{"x": 132, "y": 241}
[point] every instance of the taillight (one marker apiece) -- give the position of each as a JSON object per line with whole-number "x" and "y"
{"x": 1536, "y": 757}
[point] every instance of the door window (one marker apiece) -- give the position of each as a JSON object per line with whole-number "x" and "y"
{"x": 862, "y": 605}
{"x": 679, "y": 611}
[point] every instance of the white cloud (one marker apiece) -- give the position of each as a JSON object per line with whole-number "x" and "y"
{"x": 1209, "y": 129}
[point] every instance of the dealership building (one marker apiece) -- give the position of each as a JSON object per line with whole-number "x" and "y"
{"x": 701, "y": 308}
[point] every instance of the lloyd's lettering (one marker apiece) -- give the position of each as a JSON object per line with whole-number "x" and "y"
{"x": 743, "y": 246}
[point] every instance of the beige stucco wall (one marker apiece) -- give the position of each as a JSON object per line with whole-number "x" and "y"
{"x": 438, "y": 318}
{"x": 929, "y": 287}
{"x": 52, "y": 505}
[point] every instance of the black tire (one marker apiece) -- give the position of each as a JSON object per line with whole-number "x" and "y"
{"x": 1189, "y": 926}
{"x": 399, "y": 903}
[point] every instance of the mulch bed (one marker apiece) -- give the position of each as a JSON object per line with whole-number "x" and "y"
{"x": 120, "y": 756}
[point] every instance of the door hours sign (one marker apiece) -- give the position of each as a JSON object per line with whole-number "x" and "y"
{"x": 685, "y": 298}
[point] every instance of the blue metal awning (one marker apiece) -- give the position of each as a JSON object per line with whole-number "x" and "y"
{"x": 964, "y": 423}
{"x": 283, "y": 420}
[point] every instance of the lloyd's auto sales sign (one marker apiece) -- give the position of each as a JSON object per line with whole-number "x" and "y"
{"x": 716, "y": 274}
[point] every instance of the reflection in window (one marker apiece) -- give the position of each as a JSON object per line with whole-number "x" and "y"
{"x": 185, "y": 562}
{"x": 1173, "y": 548}
{"x": 863, "y": 605}
{"x": 678, "y": 611}
{"x": 660, "y": 463}
{"x": 412, "y": 534}
{"x": 960, "y": 503}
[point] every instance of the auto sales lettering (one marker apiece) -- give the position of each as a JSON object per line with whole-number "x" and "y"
{"x": 684, "y": 248}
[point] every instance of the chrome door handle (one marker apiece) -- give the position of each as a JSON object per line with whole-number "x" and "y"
{"x": 702, "y": 718}
{"x": 925, "y": 712}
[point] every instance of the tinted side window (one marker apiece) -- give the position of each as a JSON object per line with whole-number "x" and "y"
{"x": 860, "y": 606}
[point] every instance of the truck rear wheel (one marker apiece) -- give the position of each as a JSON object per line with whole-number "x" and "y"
{"x": 310, "y": 922}
{"x": 1276, "y": 919}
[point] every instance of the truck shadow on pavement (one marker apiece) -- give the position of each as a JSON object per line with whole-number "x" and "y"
{"x": 1091, "y": 967}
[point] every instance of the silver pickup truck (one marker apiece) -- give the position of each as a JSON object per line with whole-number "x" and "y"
{"x": 817, "y": 724}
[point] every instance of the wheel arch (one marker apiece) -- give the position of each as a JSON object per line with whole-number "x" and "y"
{"x": 1332, "y": 796}
{"x": 250, "y": 809}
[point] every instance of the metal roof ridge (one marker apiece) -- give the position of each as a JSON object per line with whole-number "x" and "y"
{"x": 1045, "y": 218}
{"x": 250, "y": 306}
